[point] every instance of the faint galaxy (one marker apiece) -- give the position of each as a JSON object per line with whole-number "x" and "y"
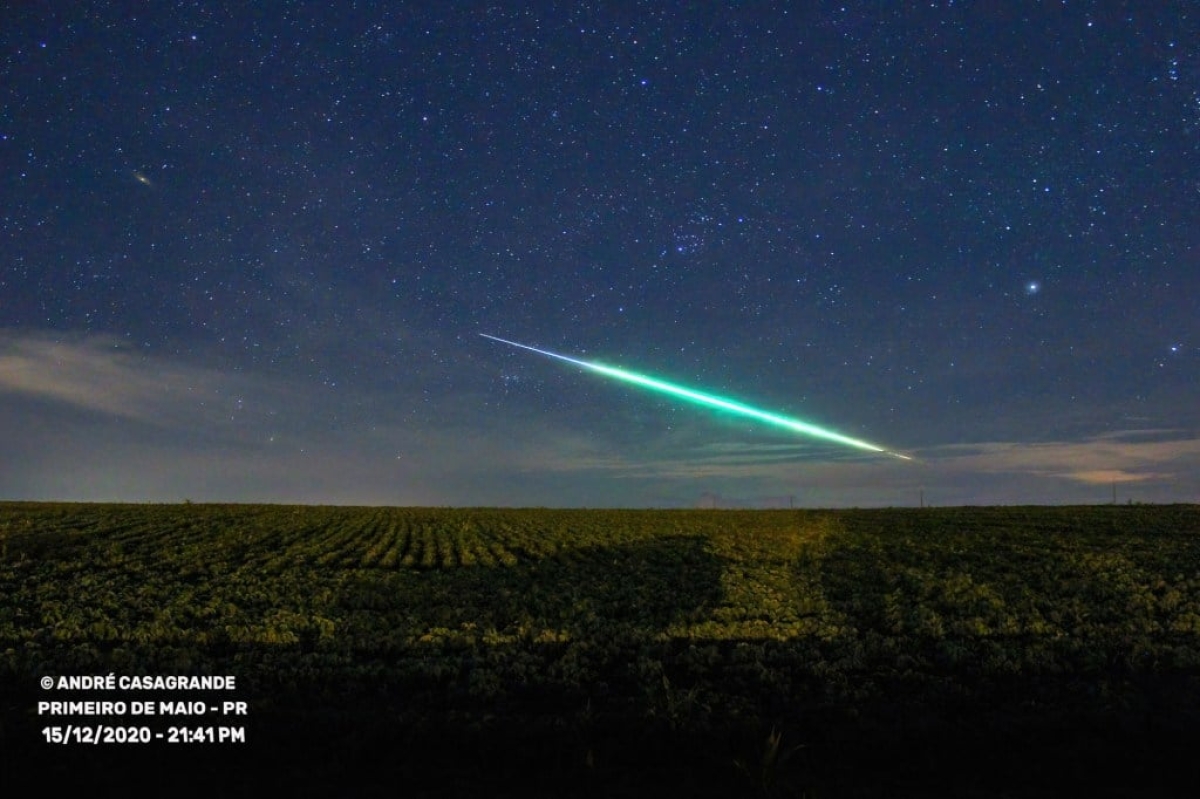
{"x": 246, "y": 255}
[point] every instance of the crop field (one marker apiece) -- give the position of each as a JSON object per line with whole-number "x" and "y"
{"x": 1017, "y": 651}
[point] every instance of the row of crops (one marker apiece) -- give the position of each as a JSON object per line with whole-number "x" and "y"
{"x": 683, "y": 620}
{"x": 100, "y": 578}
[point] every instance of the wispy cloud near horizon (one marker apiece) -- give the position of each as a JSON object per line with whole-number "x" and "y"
{"x": 103, "y": 374}
{"x": 1123, "y": 456}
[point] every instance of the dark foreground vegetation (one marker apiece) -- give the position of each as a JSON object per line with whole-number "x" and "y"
{"x": 440, "y": 652}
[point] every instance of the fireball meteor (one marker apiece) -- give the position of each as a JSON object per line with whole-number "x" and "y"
{"x": 700, "y": 398}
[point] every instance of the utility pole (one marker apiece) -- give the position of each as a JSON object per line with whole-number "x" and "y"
{"x": 922, "y": 498}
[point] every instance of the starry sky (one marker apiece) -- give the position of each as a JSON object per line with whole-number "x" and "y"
{"x": 247, "y": 250}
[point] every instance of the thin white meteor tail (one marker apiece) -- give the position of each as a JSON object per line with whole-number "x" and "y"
{"x": 584, "y": 364}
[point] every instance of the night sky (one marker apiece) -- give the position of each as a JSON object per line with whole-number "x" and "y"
{"x": 247, "y": 250}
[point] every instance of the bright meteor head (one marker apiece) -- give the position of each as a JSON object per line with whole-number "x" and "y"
{"x": 700, "y": 398}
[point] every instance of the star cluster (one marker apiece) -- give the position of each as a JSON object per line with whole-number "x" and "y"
{"x": 245, "y": 254}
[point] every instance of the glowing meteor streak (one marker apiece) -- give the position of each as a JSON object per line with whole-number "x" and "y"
{"x": 712, "y": 401}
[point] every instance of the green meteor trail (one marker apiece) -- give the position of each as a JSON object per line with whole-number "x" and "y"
{"x": 700, "y": 398}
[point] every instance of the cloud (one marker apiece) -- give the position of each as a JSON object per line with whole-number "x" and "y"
{"x": 1108, "y": 476}
{"x": 103, "y": 375}
{"x": 91, "y": 418}
{"x": 1123, "y": 456}
{"x": 685, "y": 459}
